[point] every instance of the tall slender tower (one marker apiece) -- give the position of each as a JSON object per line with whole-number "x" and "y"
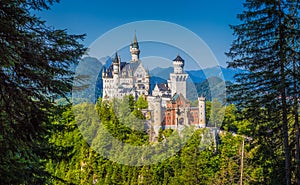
{"x": 116, "y": 64}
{"x": 134, "y": 50}
{"x": 201, "y": 114}
{"x": 157, "y": 114}
{"x": 147, "y": 80}
{"x": 178, "y": 77}
{"x": 116, "y": 70}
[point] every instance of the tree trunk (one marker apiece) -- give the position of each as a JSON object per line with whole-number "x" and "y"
{"x": 283, "y": 100}
{"x": 295, "y": 109}
{"x": 296, "y": 117}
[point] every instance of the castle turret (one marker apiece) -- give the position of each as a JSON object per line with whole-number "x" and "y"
{"x": 147, "y": 80}
{"x": 201, "y": 107}
{"x": 104, "y": 72}
{"x": 178, "y": 64}
{"x": 116, "y": 64}
{"x": 134, "y": 50}
{"x": 178, "y": 79}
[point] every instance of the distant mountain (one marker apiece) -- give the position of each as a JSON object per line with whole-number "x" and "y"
{"x": 213, "y": 87}
{"x": 163, "y": 73}
{"x": 208, "y": 82}
{"x": 106, "y": 61}
{"x": 218, "y": 71}
{"x": 88, "y": 79}
{"x": 198, "y": 76}
{"x": 89, "y": 66}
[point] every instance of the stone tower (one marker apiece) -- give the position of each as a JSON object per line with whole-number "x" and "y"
{"x": 177, "y": 82}
{"x": 134, "y": 50}
{"x": 147, "y": 80}
{"x": 116, "y": 71}
{"x": 116, "y": 65}
{"x": 157, "y": 114}
{"x": 201, "y": 107}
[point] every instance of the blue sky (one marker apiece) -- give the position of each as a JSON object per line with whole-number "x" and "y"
{"x": 209, "y": 19}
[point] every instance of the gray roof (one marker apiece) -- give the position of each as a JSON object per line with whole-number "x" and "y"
{"x": 163, "y": 87}
{"x": 166, "y": 96}
{"x": 109, "y": 71}
{"x": 131, "y": 66}
{"x": 178, "y": 58}
{"x": 125, "y": 90}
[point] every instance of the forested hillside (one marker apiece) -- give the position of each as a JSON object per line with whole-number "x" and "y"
{"x": 198, "y": 162}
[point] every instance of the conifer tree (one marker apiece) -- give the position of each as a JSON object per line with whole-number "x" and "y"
{"x": 35, "y": 70}
{"x": 263, "y": 47}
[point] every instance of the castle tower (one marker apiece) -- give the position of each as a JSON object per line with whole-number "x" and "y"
{"x": 178, "y": 64}
{"x": 104, "y": 72}
{"x": 156, "y": 113}
{"x": 178, "y": 77}
{"x": 105, "y": 84}
{"x": 116, "y": 70}
{"x": 201, "y": 107}
{"x": 134, "y": 50}
{"x": 116, "y": 64}
{"x": 147, "y": 80}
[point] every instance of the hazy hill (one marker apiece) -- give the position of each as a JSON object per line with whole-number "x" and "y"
{"x": 88, "y": 76}
{"x": 227, "y": 73}
{"x": 198, "y": 76}
{"x": 163, "y": 73}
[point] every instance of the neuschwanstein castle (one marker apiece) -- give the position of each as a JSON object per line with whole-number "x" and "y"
{"x": 168, "y": 106}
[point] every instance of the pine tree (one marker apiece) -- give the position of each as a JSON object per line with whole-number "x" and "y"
{"x": 263, "y": 47}
{"x": 35, "y": 70}
{"x": 295, "y": 76}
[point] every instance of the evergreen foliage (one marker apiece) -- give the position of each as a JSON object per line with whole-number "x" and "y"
{"x": 267, "y": 46}
{"x": 200, "y": 161}
{"x": 35, "y": 69}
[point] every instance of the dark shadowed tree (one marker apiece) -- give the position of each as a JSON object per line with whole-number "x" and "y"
{"x": 264, "y": 47}
{"x": 35, "y": 70}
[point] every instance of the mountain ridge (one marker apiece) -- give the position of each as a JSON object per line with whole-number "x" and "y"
{"x": 200, "y": 75}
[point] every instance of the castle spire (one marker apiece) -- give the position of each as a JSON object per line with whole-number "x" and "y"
{"x": 134, "y": 49}
{"x": 135, "y": 39}
{"x": 116, "y": 63}
{"x": 116, "y": 59}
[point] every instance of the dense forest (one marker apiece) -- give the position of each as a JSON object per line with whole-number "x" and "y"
{"x": 46, "y": 139}
{"x": 198, "y": 162}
